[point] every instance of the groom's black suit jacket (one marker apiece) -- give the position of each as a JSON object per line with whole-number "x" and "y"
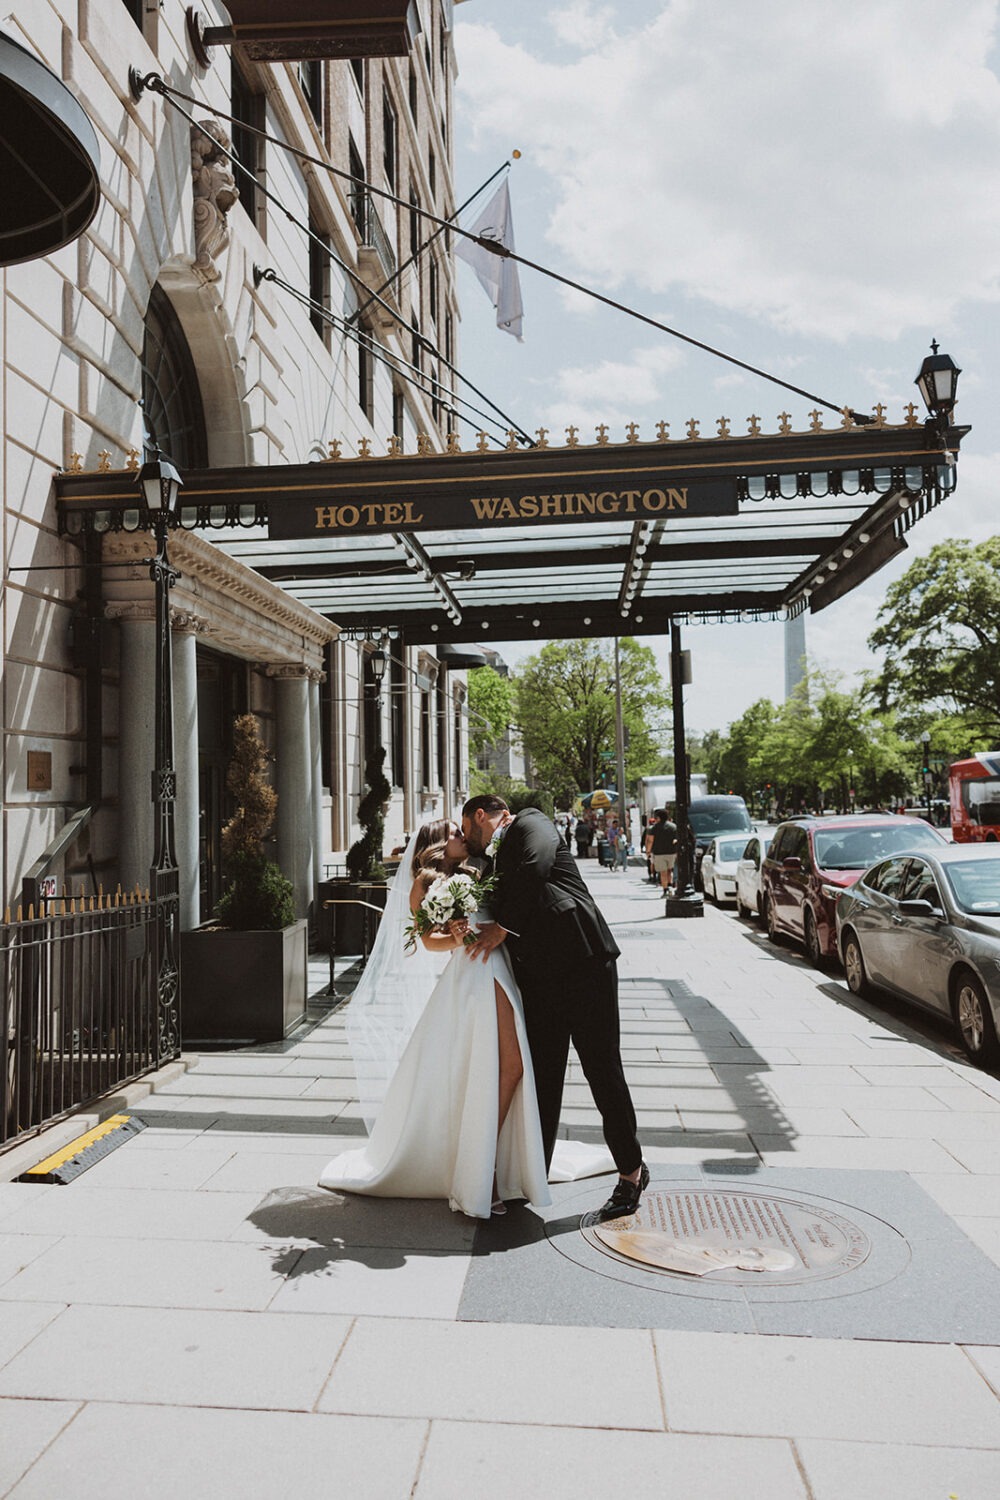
{"x": 541, "y": 897}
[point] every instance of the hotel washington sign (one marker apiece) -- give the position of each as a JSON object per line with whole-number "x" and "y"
{"x": 490, "y": 488}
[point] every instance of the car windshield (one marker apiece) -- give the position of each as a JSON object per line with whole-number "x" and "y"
{"x": 708, "y": 821}
{"x": 730, "y": 849}
{"x": 857, "y": 848}
{"x": 976, "y": 886}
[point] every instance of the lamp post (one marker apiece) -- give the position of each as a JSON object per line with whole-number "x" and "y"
{"x": 686, "y": 902}
{"x": 925, "y": 768}
{"x": 159, "y": 484}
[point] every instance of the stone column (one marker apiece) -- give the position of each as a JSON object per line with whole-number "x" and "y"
{"x": 295, "y": 823}
{"x": 321, "y": 835}
{"x": 136, "y": 709}
{"x": 185, "y": 681}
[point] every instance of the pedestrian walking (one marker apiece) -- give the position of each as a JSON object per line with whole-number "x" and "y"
{"x": 664, "y": 848}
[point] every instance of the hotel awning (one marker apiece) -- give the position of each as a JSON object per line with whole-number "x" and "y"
{"x": 50, "y": 160}
{"x": 584, "y": 540}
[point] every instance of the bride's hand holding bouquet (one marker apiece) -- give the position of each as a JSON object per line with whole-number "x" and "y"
{"x": 449, "y": 903}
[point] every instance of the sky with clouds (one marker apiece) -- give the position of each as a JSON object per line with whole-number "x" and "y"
{"x": 809, "y": 186}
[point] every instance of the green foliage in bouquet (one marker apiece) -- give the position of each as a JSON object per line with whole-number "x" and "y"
{"x": 258, "y": 897}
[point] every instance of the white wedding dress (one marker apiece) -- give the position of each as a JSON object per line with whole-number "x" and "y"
{"x": 435, "y": 1135}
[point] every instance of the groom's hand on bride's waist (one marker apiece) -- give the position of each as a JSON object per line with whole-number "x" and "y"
{"x": 486, "y": 939}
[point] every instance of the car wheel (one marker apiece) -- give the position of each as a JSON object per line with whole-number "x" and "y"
{"x": 715, "y": 893}
{"x": 810, "y": 936}
{"x": 974, "y": 1019}
{"x": 854, "y": 966}
{"x": 772, "y": 929}
{"x": 741, "y": 910}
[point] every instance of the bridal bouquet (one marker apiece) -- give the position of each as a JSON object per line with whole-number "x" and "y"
{"x": 449, "y": 898}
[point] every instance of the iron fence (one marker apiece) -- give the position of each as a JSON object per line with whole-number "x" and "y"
{"x": 79, "y": 996}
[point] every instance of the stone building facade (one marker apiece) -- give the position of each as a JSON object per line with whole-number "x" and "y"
{"x": 152, "y": 330}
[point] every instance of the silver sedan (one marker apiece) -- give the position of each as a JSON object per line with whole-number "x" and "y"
{"x": 927, "y": 927}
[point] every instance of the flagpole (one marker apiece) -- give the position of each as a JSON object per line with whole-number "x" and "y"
{"x": 427, "y": 243}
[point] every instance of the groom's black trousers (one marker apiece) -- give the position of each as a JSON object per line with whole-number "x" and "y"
{"x": 581, "y": 1007}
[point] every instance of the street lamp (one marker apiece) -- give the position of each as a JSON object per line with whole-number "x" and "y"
{"x": 937, "y": 381}
{"x": 925, "y": 767}
{"x": 159, "y": 485}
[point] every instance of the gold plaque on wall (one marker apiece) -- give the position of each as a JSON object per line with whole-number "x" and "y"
{"x": 39, "y": 771}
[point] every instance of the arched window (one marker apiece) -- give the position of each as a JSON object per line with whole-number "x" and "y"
{"x": 171, "y": 397}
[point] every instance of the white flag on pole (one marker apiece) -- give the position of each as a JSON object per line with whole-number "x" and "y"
{"x": 497, "y": 275}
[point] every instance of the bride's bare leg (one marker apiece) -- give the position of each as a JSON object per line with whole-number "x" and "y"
{"x": 511, "y": 1066}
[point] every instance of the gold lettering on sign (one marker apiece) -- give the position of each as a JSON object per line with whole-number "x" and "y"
{"x": 350, "y": 517}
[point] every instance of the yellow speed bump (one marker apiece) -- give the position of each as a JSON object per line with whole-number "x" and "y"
{"x": 76, "y": 1156}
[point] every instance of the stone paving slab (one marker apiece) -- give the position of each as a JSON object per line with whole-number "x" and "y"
{"x": 160, "y": 1452}
{"x": 19, "y": 1250}
{"x": 28, "y": 1427}
{"x": 123, "y": 1272}
{"x": 894, "y": 1472}
{"x": 20, "y": 1323}
{"x": 265, "y": 1361}
{"x": 411, "y": 1368}
{"x": 563, "y": 1463}
{"x": 814, "y": 1388}
{"x": 147, "y": 1213}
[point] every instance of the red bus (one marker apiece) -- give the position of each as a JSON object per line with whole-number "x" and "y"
{"x": 975, "y": 799}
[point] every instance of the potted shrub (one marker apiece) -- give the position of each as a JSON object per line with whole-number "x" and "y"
{"x": 245, "y": 974}
{"x": 366, "y": 876}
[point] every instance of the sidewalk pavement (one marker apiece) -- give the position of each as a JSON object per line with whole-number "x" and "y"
{"x": 193, "y": 1314}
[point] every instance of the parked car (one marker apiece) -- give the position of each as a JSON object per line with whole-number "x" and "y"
{"x": 720, "y": 864}
{"x": 748, "y": 895}
{"x": 927, "y": 926}
{"x": 812, "y": 861}
{"x": 711, "y": 816}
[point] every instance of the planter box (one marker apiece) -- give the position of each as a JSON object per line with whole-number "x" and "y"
{"x": 243, "y": 986}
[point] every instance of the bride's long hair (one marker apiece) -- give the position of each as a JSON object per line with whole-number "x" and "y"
{"x": 429, "y": 857}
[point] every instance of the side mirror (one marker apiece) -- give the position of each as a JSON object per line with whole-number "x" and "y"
{"x": 792, "y": 862}
{"x": 918, "y": 909}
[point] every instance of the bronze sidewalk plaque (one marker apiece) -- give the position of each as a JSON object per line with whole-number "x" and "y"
{"x": 735, "y": 1236}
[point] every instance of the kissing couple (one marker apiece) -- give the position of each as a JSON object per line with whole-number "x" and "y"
{"x": 461, "y": 1047}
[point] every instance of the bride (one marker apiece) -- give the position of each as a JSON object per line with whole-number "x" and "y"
{"x": 445, "y": 1081}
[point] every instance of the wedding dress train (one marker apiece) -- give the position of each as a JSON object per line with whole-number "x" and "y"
{"x": 435, "y": 1135}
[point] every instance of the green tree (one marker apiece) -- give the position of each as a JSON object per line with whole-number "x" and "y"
{"x": 940, "y": 631}
{"x": 565, "y": 711}
{"x": 491, "y": 709}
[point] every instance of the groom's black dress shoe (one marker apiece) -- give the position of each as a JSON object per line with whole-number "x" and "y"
{"x": 625, "y": 1198}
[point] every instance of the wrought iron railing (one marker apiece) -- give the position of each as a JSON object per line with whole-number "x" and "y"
{"x": 79, "y": 1005}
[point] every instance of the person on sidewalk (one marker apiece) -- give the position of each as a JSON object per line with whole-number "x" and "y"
{"x": 564, "y": 959}
{"x": 663, "y": 848}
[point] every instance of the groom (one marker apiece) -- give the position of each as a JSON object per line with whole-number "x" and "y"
{"x": 563, "y": 956}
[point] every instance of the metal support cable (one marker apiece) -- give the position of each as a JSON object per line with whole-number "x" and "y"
{"x": 160, "y": 86}
{"x": 328, "y": 250}
{"x": 395, "y": 362}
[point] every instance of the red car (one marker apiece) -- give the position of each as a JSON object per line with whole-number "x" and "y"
{"x": 812, "y": 860}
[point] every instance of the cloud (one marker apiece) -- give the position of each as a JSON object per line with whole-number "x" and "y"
{"x": 583, "y": 24}
{"x": 825, "y": 168}
{"x": 614, "y": 391}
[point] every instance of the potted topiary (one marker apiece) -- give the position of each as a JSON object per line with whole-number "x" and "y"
{"x": 245, "y": 974}
{"x": 366, "y": 876}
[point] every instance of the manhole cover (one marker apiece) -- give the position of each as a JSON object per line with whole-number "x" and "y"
{"x": 732, "y": 1235}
